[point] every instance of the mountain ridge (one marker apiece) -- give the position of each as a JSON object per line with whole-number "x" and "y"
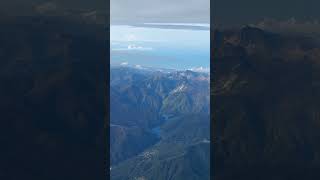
{"x": 172, "y": 105}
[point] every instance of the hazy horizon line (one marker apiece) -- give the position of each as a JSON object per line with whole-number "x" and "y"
{"x": 144, "y": 67}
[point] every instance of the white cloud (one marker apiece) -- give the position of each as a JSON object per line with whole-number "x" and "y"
{"x": 141, "y": 48}
{"x": 131, "y": 37}
{"x": 138, "y": 66}
{"x": 200, "y": 69}
{"x": 124, "y": 64}
{"x": 133, "y": 47}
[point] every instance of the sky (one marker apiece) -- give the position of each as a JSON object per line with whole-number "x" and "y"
{"x": 160, "y": 33}
{"x": 224, "y": 12}
{"x": 165, "y": 11}
{"x": 192, "y": 11}
{"x": 182, "y": 48}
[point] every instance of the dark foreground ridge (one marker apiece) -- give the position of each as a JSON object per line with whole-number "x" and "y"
{"x": 265, "y": 111}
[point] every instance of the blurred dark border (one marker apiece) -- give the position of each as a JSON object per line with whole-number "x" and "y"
{"x": 211, "y": 85}
{"x": 107, "y": 99}
{"x": 54, "y": 89}
{"x": 265, "y": 121}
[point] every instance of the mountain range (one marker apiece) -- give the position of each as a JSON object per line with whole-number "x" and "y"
{"x": 159, "y": 124}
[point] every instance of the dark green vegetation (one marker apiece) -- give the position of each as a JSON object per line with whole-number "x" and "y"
{"x": 52, "y": 76}
{"x": 159, "y": 124}
{"x": 266, "y": 101}
{"x": 129, "y": 141}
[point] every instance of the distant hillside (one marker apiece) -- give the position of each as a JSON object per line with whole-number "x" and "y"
{"x": 183, "y": 153}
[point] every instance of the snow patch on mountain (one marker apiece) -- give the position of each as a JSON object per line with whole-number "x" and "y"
{"x": 180, "y": 88}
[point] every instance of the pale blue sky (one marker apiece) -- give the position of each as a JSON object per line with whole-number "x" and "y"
{"x": 161, "y": 47}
